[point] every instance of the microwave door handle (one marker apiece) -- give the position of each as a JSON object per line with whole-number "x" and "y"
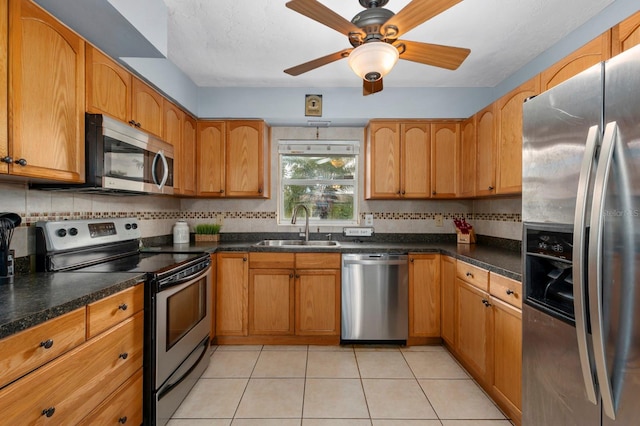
{"x": 160, "y": 155}
{"x": 595, "y": 267}
{"x": 580, "y": 298}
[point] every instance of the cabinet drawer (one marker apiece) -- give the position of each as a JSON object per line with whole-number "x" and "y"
{"x": 271, "y": 260}
{"x": 506, "y": 289}
{"x": 72, "y": 385}
{"x": 318, "y": 260}
{"x": 27, "y": 350}
{"x": 124, "y": 406}
{"x": 108, "y": 312}
{"x": 473, "y": 275}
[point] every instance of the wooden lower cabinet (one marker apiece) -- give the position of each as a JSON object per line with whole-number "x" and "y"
{"x": 123, "y": 407}
{"x": 318, "y": 302}
{"x": 424, "y": 298}
{"x": 271, "y": 301}
{"x": 232, "y": 292}
{"x": 448, "y": 300}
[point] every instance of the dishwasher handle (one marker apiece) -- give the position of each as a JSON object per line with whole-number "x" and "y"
{"x": 375, "y": 259}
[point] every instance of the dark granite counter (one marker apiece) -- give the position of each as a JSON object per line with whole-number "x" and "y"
{"x": 35, "y": 298}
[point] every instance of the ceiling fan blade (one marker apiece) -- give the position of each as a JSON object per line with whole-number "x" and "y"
{"x": 318, "y": 62}
{"x": 371, "y": 87}
{"x": 437, "y": 55}
{"x": 320, "y": 13}
{"x": 416, "y": 12}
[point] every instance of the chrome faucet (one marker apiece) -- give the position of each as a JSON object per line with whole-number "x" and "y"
{"x": 306, "y": 222}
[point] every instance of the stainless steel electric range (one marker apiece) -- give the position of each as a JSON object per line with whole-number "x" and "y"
{"x": 177, "y": 299}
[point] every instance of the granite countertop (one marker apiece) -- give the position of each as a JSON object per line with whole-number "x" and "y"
{"x": 35, "y": 298}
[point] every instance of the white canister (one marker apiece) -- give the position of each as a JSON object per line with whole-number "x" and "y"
{"x": 181, "y": 232}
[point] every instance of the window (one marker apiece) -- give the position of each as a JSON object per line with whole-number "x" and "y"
{"x": 322, "y": 175}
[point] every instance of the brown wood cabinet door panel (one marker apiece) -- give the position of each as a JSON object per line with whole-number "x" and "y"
{"x": 146, "y": 107}
{"x": 210, "y": 153}
{"x": 107, "y": 312}
{"x": 271, "y": 260}
{"x": 271, "y": 301}
{"x": 244, "y": 159}
{"x": 448, "y": 300}
{"x": 4, "y": 95}
{"x": 383, "y": 160}
{"x": 75, "y": 383}
{"x": 318, "y": 261}
{"x": 124, "y": 406}
{"x": 108, "y": 86}
{"x": 47, "y": 107}
{"x": 317, "y": 310}
{"x": 232, "y": 294}
{"x": 424, "y": 295}
{"x": 445, "y": 140}
{"x": 627, "y": 34}
{"x": 415, "y": 167}
{"x": 485, "y": 152}
{"x": 187, "y": 159}
{"x": 507, "y": 358}
{"x": 467, "y": 159}
{"x": 31, "y": 348}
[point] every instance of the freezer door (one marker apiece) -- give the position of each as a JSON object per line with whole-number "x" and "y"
{"x": 614, "y": 249}
{"x": 556, "y": 124}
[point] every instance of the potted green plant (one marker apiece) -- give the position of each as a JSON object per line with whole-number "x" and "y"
{"x": 208, "y": 232}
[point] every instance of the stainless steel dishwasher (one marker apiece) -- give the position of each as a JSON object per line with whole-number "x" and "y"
{"x": 375, "y": 291}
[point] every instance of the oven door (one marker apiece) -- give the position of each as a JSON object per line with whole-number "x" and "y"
{"x": 182, "y": 321}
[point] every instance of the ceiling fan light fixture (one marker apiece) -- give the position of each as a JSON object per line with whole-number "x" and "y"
{"x": 373, "y": 60}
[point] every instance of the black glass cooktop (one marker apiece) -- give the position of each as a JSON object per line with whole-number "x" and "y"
{"x": 145, "y": 262}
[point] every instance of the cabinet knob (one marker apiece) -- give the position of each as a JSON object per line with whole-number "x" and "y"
{"x": 411, "y": 260}
{"x": 486, "y": 303}
{"x": 132, "y": 122}
{"x": 123, "y": 307}
{"x": 122, "y": 420}
{"x": 123, "y": 355}
{"x": 399, "y": 192}
{"x": 49, "y": 411}
{"x": 21, "y": 162}
{"x": 404, "y": 192}
{"x": 490, "y": 188}
{"x": 469, "y": 274}
{"x": 290, "y": 275}
{"x": 259, "y": 190}
{"x": 7, "y": 159}
{"x": 433, "y": 193}
{"x": 297, "y": 275}
{"x": 222, "y": 191}
{"x": 46, "y": 344}
{"x": 510, "y": 292}
{"x": 244, "y": 259}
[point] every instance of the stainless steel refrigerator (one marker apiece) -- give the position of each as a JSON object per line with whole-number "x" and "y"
{"x": 581, "y": 249}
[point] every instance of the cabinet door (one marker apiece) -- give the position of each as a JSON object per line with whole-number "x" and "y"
{"x": 626, "y": 34}
{"x": 473, "y": 333}
{"x": 597, "y": 50}
{"x": 172, "y": 120}
{"x": 485, "y": 152}
{"x": 108, "y": 86}
{"x": 317, "y": 310}
{"x": 188, "y": 174}
{"x": 415, "y": 167}
{"x": 424, "y": 295}
{"x": 122, "y": 407}
{"x": 509, "y": 128}
{"x": 448, "y": 300}
{"x": 467, "y": 159}
{"x": 146, "y": 108}
{"x": 383, "y": 161}
{"x": 271, "y": 301}
{"x": 4, "y": 72}
{"x": 46, "y": 107}
{"x": 445, "y": 140}
{"x": 210, "y": 152}
{"x": 507, "y": 355}
{"x": 245, "y": 167}
{"x": 232, "y": 294}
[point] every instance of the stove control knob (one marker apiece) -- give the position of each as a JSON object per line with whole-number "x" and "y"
{"x": 61, "y": 232}
{"x": 73, "y": 231}
{"x": 127, "y": 226}
{"x": 134, "y": 225}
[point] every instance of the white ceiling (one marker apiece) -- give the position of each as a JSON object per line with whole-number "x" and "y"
{"x": 248, "y": 43}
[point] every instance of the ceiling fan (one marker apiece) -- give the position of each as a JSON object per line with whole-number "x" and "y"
{"x": 374, "y": 34}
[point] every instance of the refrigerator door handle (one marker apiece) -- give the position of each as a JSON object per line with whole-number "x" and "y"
{"x": 595, "y": 266}
{"x": 579, "y": 292}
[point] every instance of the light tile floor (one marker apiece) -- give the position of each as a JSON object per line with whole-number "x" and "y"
{"x": 337, "y": 386}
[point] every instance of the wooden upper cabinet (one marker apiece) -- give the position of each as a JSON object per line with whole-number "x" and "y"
{"x": 4, "y": 72}
{"x": 415, "y": 166}
{"x": 172, "y": 119}
{"x": 509, "y": 134}
{"x": 626, "y": 34}
{"x": 46, "y": 96}
{"x": 467, "y": 159}
{"x": 485, "y": 152}
{"x": 210, "y": 154}
{"x": 247, "y": 154}
{"x": 187, "y": 158}
{"x": 146, "y": 107}
{"x": 445, "y": 144}
{"x": 383, "y": 160}
{"x": 108, "y": 86}
{"x": 598, "y": 49}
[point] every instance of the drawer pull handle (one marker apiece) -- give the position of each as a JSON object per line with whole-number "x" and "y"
{"x": 123, "y": 355}
{"x": 49, "y": 411}
{"x": 46, "y": 344}
{"x": 469, "y": 274}
{"x": 486, "y": 302}
{"x": 123, "y": 307}
{"x": 122, "y": 420}
{"x": 510, "y": 292}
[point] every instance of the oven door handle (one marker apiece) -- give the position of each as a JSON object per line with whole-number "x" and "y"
{"x": 168, "y": 283}
{"x": 171, "y": 385}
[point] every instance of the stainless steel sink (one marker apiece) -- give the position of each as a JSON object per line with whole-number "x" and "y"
{"x": 297, "y": 243}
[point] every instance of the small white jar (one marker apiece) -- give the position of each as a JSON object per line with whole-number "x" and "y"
{"x": 181, "y": 232}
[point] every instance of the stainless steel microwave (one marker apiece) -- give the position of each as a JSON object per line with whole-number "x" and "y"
{"x": 121, "y": 159}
